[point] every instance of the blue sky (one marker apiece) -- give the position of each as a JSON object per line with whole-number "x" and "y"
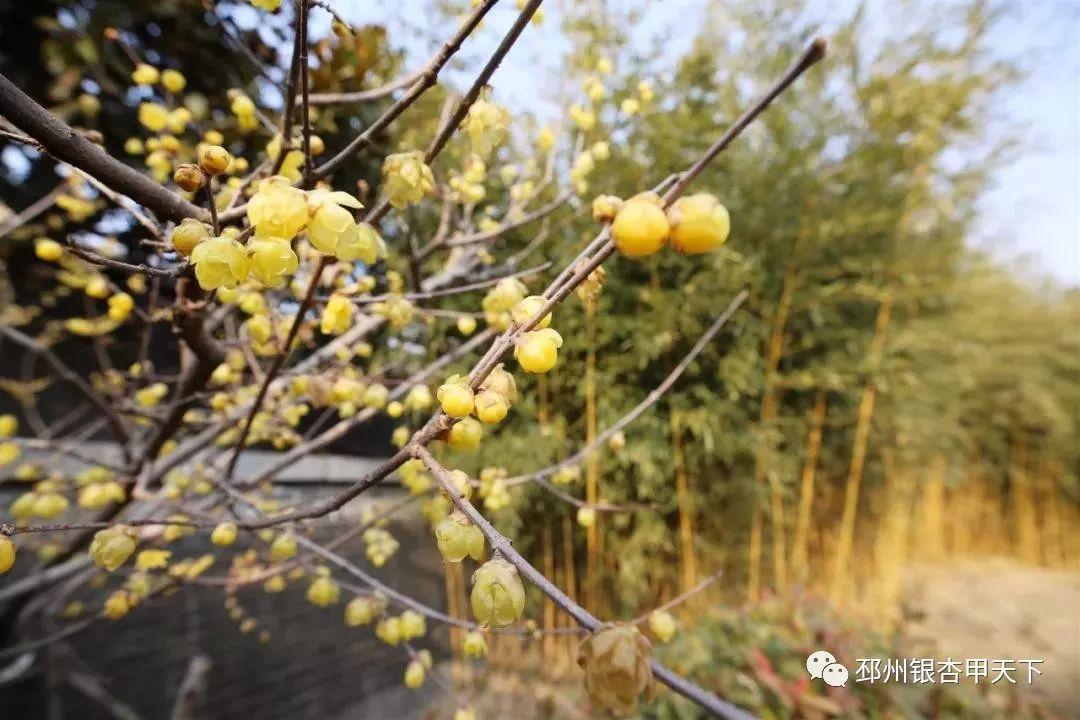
{"x": 1030, "y": 216}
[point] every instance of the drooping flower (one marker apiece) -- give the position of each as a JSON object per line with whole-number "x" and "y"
{"x": 615, "y": 659}
{"x": 220, "y": 262}
{"x": 497, "y": 598}
{"x": 271, "y": 261}
{"x": 278, "y": 209}
{"x": 406, "y": 178}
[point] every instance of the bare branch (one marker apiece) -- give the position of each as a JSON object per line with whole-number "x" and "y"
{"x": 64, "y": 143}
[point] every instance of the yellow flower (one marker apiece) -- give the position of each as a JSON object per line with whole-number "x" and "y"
{"x": 586, "y": 517}
{"x": 9, "y": 424}
{"x": 278, "y": 209}
{"x": 111, "y": 547}
{"x": 546, "y": 140}
{"x": 418, "y": 398}
{"x": 48, "y": 250}
{"x": 406, "y": 178}
{"x": 584, "y": 119}
{"x": 502, "y": 382}
{"x": 361, "y": 611}
{"x": 641, "y": 228}
{"x": 283, "y": 547}
{"x": 152, "y": 559}
{"x": 323, "y": 592}
{"x": 173, "y": 81}
{"x": 645, "y": 90}
{"x": 268, "y": 5}
{"x": 151, "y": 395}
{"x": 242, "y": 106}
{"x": 538, "y": 351}
{"x": 219, "y": 262}
{"x": 364, "y": 244}
{"x": 486, "y": 125}
{"x": 337, "y": 316}
{"x": 145, "y": 74}
{"x": 153, "y": 116}
{"x": 329, "y": 222}
{"x": 699, "y": 223}
{"x": 271, "y": 261}
{"x": 117, "y": 605}
{"x": 120, "y": 306}
{"x": 630, "y": 106}
{"x": 497, "y": 597}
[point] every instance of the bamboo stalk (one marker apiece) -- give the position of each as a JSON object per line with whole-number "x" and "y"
{"x": 686, "y": 509}
{"x": 858, "y": 454}
{"x": 763, "y": 461}
{"x": 806, "y": 489}
{"x": 592, "y": 535}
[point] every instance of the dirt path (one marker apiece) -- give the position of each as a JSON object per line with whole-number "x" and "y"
{"x": 997, "y": 609}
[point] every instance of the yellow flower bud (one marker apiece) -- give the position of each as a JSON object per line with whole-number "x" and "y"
{"x": 406, "y": 178}
{"x": 641, "y": 228}
{"x": 606, "y": 207}
{"x": 283, "y": 547}
{"x": 337, "y": 316}
{"x": 48, "y": 250}
{"x": 699, "y": 223}
{"x": 457, "y": 538}
{"x": 414, "y": 675}
{"x": 474, "y": 645}
{"x": 323, "y": 592}
{"x": 456, "y": 397}
{"x": 214, "y": 159}
{"x": 527, "y": 309}
{"x": 361, "y": 611}
{"x": 497, "y": 598}
{"x": 502, "y": 382}
{"x": 538, "y": 351}
{"x": 224, "y": 534}
{"x": 145, "y": 74}
{"x": 97, "y": 287}
{"x": 466, "y": 325}
{"x": 630, "y": 106}
{"x": 9, "y": 425}
{"x": 466, "y": 435}
{"x": 173, "y": 81}
{"x": 662, "y": 625}
{"x": 153, "y": 116}
{"x": 219, "y": 262}
{"x": 418, "y": 398}
{"x": 586, "y": 516}
{"x": 389, "y": 631}
{"x": 491, "y": 407}
{"x": 117, "y": 605}
{"x": 189, "y": 233}
{"x": 486, "y": 125}
{"x": 412, "y": 625}
{"x": 189, "y": 177}
{"x": 7, "y": 554}
{"x": 120, "y": 306}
